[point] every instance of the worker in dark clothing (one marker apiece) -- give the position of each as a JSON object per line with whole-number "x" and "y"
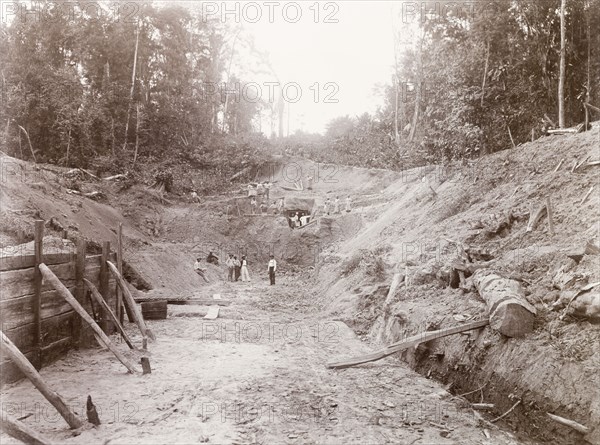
{"x": 212, "y": 259}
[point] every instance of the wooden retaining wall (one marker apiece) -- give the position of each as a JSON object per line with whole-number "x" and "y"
{"x": 58, "y": 327}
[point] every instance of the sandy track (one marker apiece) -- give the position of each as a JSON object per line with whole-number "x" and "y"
{"x": 251, "y": 376}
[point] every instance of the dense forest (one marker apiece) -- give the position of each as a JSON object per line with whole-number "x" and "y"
{"x": 132, "y": 86}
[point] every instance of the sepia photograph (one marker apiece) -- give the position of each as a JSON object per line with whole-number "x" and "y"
{"x": 300, "y": 222}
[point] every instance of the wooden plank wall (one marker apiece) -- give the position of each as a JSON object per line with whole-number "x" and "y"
{"x": 17, "y": 292}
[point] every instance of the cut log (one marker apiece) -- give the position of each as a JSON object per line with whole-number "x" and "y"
{"x": 587, "y": 195}
{"x": 20, "y": 431}
{"x": 509, "y": 312}
{"x": 9, "y": 348}
{"x": 407, "y": 343}
{"x": 69, "y": 298}
{"x": 154, "y": 310}
{"x": 137, "y": 315}
{"x": 100, "y": 300}
{"x": 482, "y": 406}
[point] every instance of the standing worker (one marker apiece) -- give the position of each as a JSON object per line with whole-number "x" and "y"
{"x": 245, "y": 274}
{"x": 336, "y": 205}
{"x": 272, "y": 268}
{"x": 237, "y": 267}
{"x": 326, "y": 206}
{"x": 348, "y": 203}
{"x": 267, "y": 186}
{"x": 231, "y": 268}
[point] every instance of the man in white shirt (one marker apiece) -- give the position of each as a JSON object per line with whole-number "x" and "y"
{"x": 231, "y": 268}
{"x": 199, "y": 269}
{"x": 272, "y": 268}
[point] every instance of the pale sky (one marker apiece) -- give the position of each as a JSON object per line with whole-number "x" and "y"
{"x": 353, "y": 55}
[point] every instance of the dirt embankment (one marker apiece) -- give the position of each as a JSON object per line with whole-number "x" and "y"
{"x": 484, "y": 208}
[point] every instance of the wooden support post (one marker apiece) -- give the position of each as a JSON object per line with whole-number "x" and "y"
{"x": 90, "y": 410}
{"x": 64, "y": 293}
{"x": 550, "y": 220}
{"x": 9, "y": 348}
{"x": 20, "y": 431}
{"x": 37, "y": 301}
{"x": 146, "y": 369}
{"x": 79, "y": 289}
{"x": 98, "y": 297}
{"x": 415, "y": 340}
{"x": 119, "y": 294}
{"x": 103, "y": 286}
{"x": 532, "y": 134}
{"x": 137, "y": 315}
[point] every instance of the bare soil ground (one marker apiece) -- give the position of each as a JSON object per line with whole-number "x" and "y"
{"x": 254, "y": 375}
{"x": 337, "y": 273}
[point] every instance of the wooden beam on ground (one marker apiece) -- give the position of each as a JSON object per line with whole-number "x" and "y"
{"x": 100, "y": 300}
{"x": 407, "y": 343}
{"x": 139, "y": 319}
{"x": 509, "y": 311}
{"x": 20, "y": 431}
{"x": 37, "y": 281}
{"x": 79, "y": 288}
{"x": 189, "y": 302}
{"x": 64, "y": 293}
{"x": 9, "y": 348}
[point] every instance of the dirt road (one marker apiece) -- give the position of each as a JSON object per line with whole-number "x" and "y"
{"x": 255, "y": 375}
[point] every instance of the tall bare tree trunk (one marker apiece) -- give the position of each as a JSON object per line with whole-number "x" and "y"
{"x": 229, "y": 79}
{"x": 588, "y": 92}
{"x": 413, "y": 127}
{"x": 137, "y": 132}
{"x": 561, "y": 77}
{"x": 29, "y": 141}
{"x": 137, "y": 40}
{"x": 68, "y": 146}
{"x": 485, "y": 70}
{"x": 281, "y": 109}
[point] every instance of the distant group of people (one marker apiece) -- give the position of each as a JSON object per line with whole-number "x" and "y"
{"x": 274, "y": 208}
{"x": 236, "y": 268}
{"x": 334, "y": 207}
{"x": 260, "y": 188}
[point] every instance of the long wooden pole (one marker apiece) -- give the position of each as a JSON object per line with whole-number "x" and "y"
{"x": 64, "y": 293}
{"x": 79, "y": 288}
{"x": 137, "y": 315}
{"x": 20, "y": 431}
{"x": 103, "y": 285}
{"x": 100, "y": 300}
{"x": 405, "y": 344}
{"x": 31, "y": 373}
{"x": 119, "y": 311}
{"x": 37, "y": 280}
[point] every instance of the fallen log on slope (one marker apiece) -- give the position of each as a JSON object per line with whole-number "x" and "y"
{"x": 510, "y": 313}
{"x": 407, "y": 343}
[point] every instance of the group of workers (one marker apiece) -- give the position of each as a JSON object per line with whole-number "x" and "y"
{"x": 334, "y": 208}
{"x": 274, "y": 209}
{"x": 236, "y": 268}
